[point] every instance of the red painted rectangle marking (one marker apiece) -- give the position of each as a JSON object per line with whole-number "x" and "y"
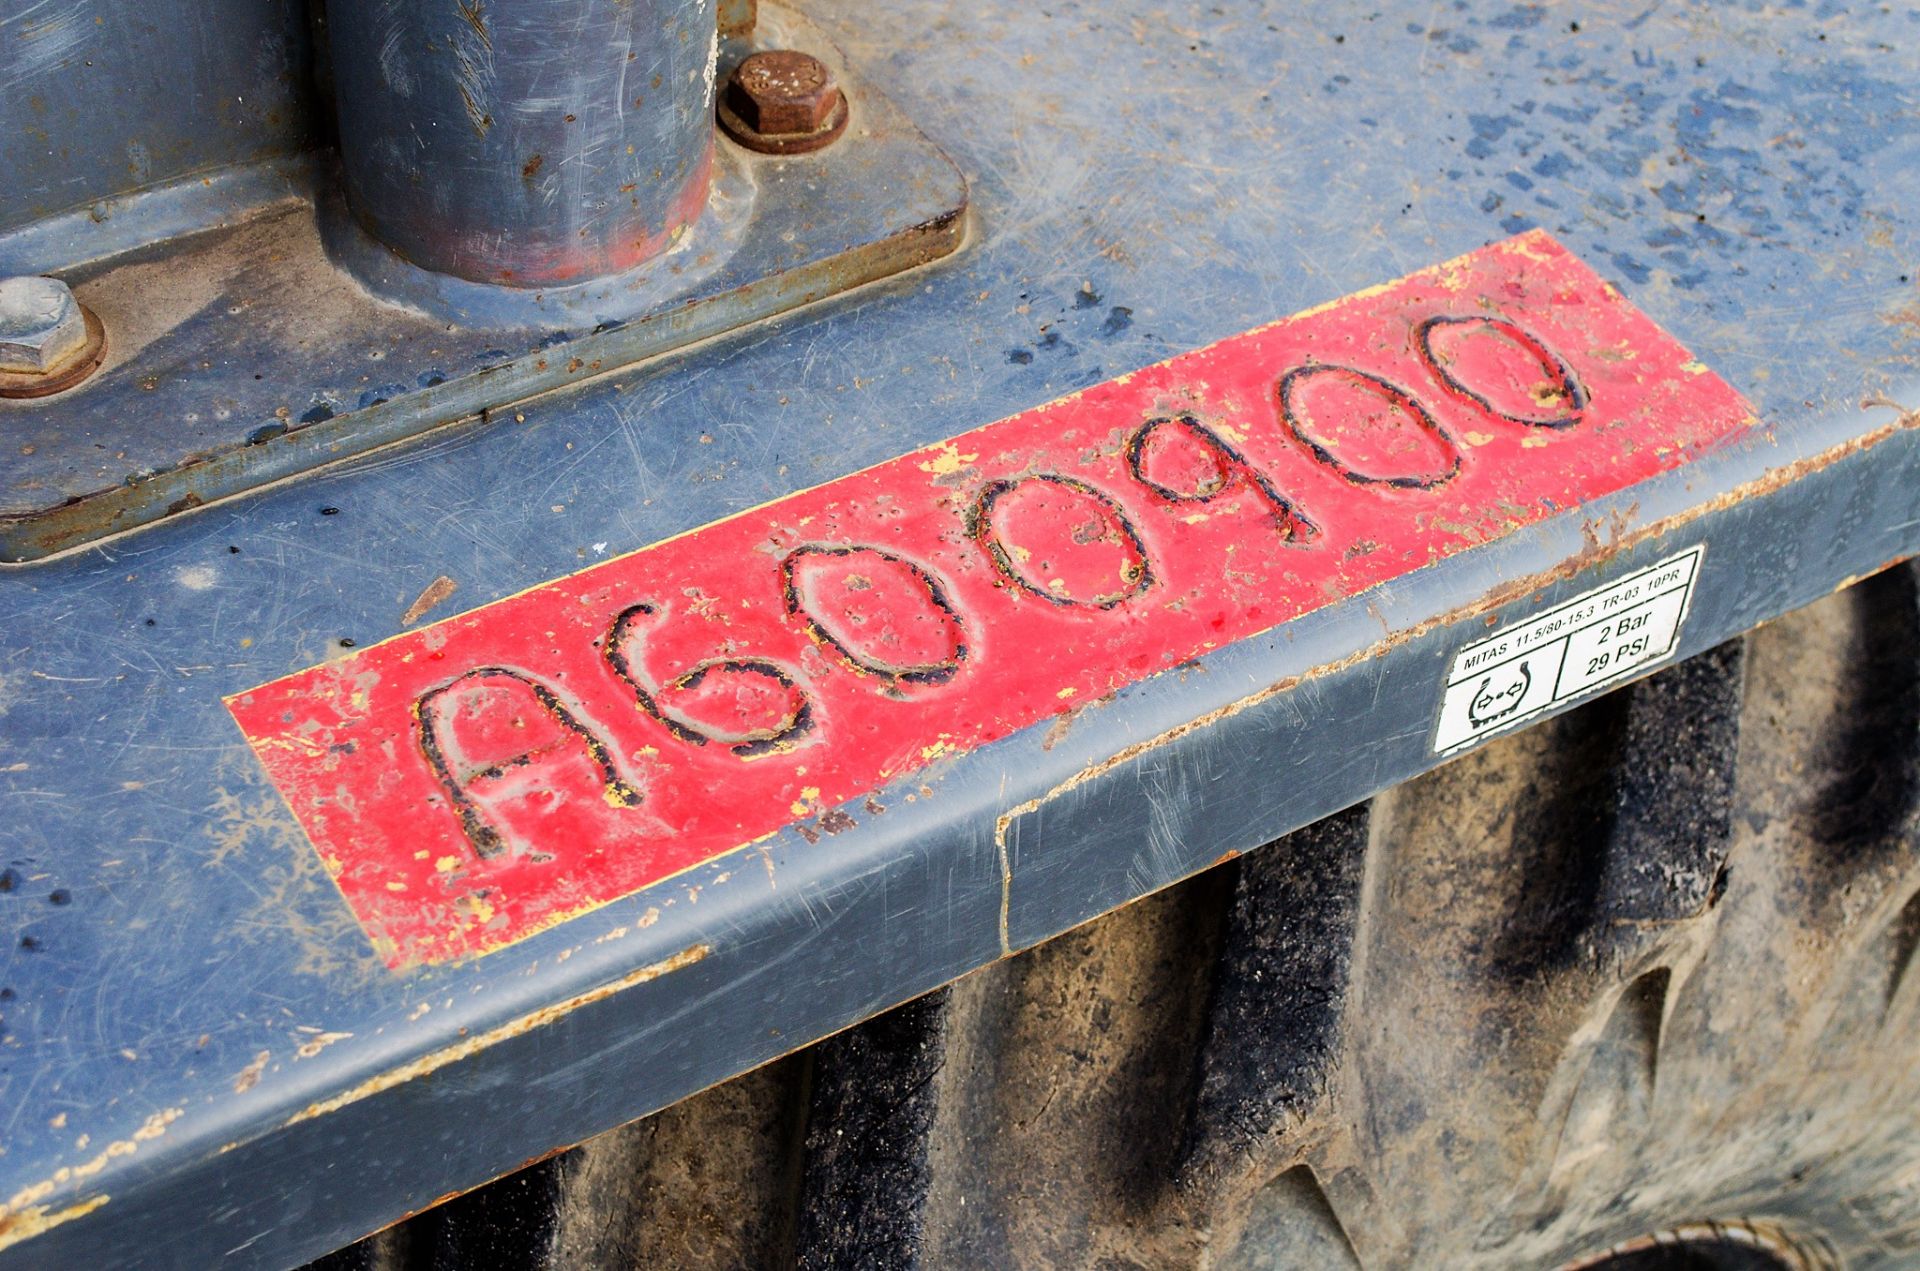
{"x": 481, "y": 779}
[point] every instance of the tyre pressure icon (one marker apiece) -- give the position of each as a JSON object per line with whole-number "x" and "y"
{"x": 1492, "y": 703}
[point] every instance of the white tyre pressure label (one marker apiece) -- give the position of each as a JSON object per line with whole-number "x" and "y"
{"x": 1580, "y": 645}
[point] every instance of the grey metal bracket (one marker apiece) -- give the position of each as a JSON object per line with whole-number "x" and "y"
{"x": 247, "y": 354}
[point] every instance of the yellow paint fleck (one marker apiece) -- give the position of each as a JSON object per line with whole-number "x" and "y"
{"x": 446, "y": 864}
{"x": 1527, "y": 246}
{"x": 948, "y": 460}
{"x": 317, "y": 1044}
{"x": 29, "y": 1221}
{"x": 1478, "y": 438}
{"x": 1365, "y": 293}
{"x": 1067, "y": 692}
{"x": 18, "y": 1213}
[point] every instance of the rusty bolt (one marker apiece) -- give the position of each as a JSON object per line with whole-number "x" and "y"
{"x": 48, "y": 340}
{"x": 783, "y": 102}
{"x": 783, "y": 91}
{"x": 41, "y": 325}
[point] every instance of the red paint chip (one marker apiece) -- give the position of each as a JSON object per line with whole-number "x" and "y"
{"x": 478, "y": 780}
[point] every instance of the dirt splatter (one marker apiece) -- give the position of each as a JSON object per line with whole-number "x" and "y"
{"x": 434, "y": 592}
{"x": 250, "y": 1075}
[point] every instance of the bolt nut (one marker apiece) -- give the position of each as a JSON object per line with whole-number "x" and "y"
{"x": 42, "y": 326}
{"x": 783, "y": 102}
{"x": 48, "y": 340}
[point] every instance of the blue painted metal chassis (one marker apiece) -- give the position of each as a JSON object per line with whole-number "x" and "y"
{"x": 92, "y": 95}
{"x": 204, "y": 1039}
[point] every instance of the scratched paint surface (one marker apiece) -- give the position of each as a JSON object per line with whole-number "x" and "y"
{"x": 479, "y": 780}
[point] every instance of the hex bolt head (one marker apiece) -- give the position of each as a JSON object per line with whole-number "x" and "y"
{"x": 782, "y": 102}
{"x": 41, "y": 325}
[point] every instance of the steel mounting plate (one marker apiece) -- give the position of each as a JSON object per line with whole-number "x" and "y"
{"x": 247, "y": 354}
